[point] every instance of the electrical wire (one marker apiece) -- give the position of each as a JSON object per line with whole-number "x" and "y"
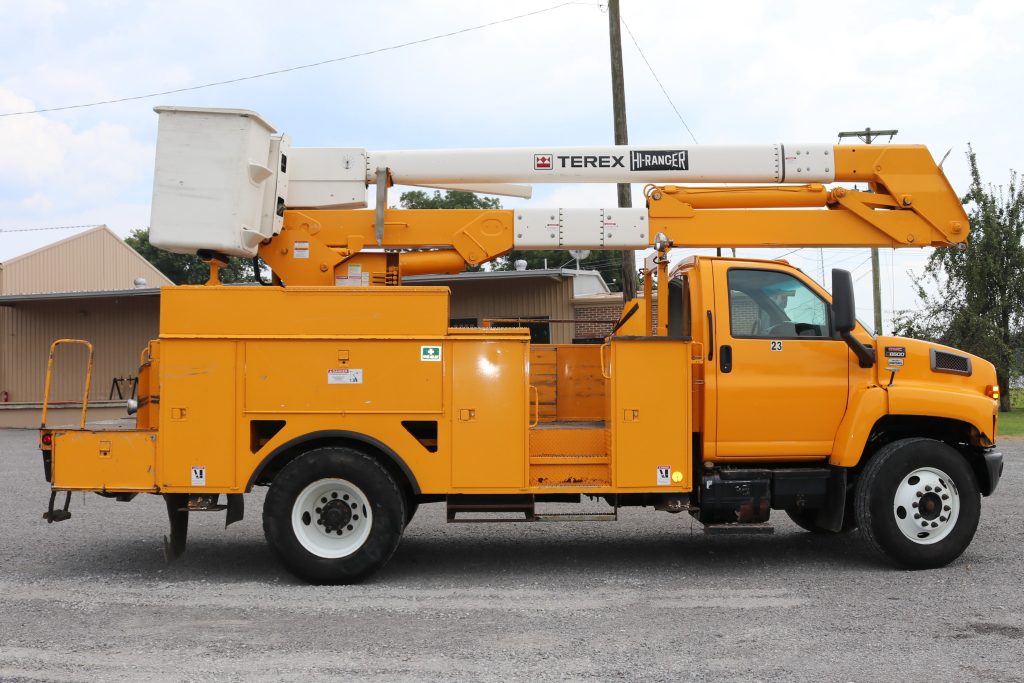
{"x": 658, "y": 81}
{"x": 299, "y": 67}
{"x": 791, "y": 251}
{"x": 52, "y": 227}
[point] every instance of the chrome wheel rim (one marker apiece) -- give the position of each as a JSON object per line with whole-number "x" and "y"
{"x": 331, "y": 518}
{"x": 926, "y": 505}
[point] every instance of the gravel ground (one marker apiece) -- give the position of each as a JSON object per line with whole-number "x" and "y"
{"x": 647, "y": 597}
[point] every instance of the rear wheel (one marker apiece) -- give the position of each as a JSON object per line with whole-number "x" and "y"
{"x": 918, "y": 503}
{"x": 334, "y": 515}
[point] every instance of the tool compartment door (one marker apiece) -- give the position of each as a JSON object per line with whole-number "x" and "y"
{"x": 650, "y": 413}
{"x": 104, "y": 461}
{"x": 489, "y": 420}
{"x": 197, "y": 415}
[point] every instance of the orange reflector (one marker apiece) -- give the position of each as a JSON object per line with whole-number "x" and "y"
{"x": 993, "y": 391}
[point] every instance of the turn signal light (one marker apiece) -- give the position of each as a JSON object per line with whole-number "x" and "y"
{"x": 992, "y": 391}
{"x": 47, "y": 439}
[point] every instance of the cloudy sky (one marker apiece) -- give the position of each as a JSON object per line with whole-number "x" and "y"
{"x": 944, "y": 73}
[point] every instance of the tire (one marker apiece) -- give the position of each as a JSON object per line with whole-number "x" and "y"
{"x": 410, "y": 510}
{"x": 334, "y": 515}
{"x": 917, "y": 502}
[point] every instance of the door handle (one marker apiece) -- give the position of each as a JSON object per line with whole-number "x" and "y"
{"x": 711, "y": 337}
{"x": 725, "y": 358}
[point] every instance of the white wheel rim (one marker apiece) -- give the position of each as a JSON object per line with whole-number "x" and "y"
{"x": 926, "y": 505}
{"x": 332, "y": 518}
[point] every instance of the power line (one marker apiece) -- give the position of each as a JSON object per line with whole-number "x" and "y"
{"x": 792, "y": 251}
{"x": 52, "y": 227}
{"x": 658, "y": 81}
{"x": 419, "y": 41}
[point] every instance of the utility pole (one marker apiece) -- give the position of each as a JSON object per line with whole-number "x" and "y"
{"x": 867, "y": 136}
{"x": 627, "y": 271}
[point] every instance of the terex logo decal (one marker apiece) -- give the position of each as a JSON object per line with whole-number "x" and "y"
{"x": 590, "y": 161}
{"x": 659, "y": 160}
{"x": 639, "y": 160}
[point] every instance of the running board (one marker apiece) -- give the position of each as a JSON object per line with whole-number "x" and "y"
{"x": 577, "y": 517}
{"x": 477, "y": 509}
{"x": 737, "y": 528}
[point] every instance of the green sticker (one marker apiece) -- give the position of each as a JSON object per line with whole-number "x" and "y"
{"x": 430, "y": 353}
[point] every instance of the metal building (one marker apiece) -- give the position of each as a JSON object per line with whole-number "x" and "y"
{"x": 552, "y": 294}
{"x": 89, "y": 286}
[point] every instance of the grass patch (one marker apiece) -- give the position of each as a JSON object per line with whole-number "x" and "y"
{"x": 1012, "y": 423}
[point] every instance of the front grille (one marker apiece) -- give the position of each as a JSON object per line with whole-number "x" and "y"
{"x": 944, "y": 361}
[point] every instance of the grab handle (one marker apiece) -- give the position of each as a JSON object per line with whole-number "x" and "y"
{"x": 49, "y": 378}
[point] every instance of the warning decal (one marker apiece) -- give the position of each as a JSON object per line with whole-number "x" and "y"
{"x": 664, "y": 475}
{"x": 199, "y": 475}
{"x": 345, "y": 376}
{"x": 300, "y": 250}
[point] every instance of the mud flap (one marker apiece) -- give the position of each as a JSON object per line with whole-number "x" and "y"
{"x": 236, "y": 509}
{"x": 177, "y": 515}
{"x": 830, "y": 516}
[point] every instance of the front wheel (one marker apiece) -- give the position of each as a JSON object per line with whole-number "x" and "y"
{"x": 334, "y": 516}
{"x": 918, "y": 503}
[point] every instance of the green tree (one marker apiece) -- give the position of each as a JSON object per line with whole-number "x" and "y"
{"x": 974, "y": 299}
{"x": 186, "y": 269}
{"x": 454, "y": 199}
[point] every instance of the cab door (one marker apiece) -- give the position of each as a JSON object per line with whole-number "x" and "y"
{"x": 782, "y": 376}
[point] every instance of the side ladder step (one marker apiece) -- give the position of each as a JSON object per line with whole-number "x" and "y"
{"x": 490, "y": 505}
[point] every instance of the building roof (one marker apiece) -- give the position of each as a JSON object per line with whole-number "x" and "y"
{"x": 8, "y": 299}
{"x": 585, "y": 282}
{"x": 93, "y": 260}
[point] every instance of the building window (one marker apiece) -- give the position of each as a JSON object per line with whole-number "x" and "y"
{"x": 540, "y": 333}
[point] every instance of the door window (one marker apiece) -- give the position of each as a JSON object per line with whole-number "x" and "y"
{"x": 679, "y": 307}
{"x": 768, "y": 304}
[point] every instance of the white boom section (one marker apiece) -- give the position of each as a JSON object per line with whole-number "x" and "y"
{"x": 223, "y": 180}
{"x": 771, "y": 163}
{"x": 581, "y": 229}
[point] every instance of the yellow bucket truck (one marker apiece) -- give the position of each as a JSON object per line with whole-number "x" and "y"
{"x": 743, "y": 387}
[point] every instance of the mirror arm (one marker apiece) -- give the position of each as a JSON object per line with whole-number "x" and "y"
{"x": 865, "y": 354}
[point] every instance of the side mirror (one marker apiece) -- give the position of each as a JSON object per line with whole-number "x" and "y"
{"x": 844, "y": 318}
{"x": 843, "y": 308}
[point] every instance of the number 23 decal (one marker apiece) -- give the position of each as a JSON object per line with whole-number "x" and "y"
{"x": 776, "y": 346}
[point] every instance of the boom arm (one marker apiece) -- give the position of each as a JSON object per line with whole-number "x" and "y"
{"x": 301, "y": 207}
{"x": 911, "y": 204}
